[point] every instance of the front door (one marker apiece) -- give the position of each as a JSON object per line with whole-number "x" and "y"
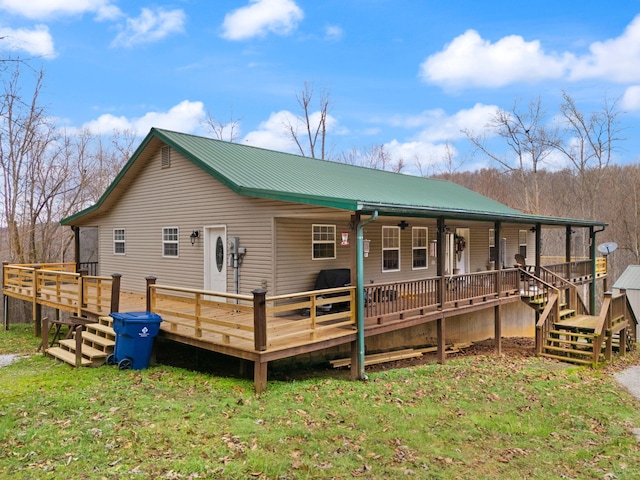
{"x": 215, "y": 259}
{"x": 461, "y": 248}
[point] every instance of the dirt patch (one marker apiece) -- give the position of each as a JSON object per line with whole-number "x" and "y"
{"x": 515, "y": 347}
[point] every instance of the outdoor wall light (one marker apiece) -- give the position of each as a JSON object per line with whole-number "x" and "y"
{"x": 403, "y": 225}
{"x": 194, "y": 236}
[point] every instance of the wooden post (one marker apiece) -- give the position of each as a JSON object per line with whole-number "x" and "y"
{"x": 440, "y": 326}
{"x": 83, "y": 272}
{"x": 497, "y": 234}
{"x": 567, "y": 252}
{"x": 5, "y": 298}
{"x": 115, "y": 292}
{"x": 44, "y": 344}
{"x": 260, "y": 319}
{"x": 498, "y": 329}
{"x": 354, "y": 361}
{"x": 260, "y": 376}
{"x": 36, "y": 308}
{"x": 78, "y": 336}
{"x": 76, "y": 245}
{"x": 151, "y": 280}
{"x": 538, "y": 248}
{"x": 440, "y": 261}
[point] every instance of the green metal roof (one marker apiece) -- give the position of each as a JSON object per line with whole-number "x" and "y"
{"x": 269, "y": 174}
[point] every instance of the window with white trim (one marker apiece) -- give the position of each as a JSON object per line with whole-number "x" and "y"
{"x": 170, "y": 242}
{"x": 323, "y": 242}
{"x": 522, "y": 243}
{"x": 419, "y": 236}
{"x": 118, "y": 241}
{"x": 390, "y": 249}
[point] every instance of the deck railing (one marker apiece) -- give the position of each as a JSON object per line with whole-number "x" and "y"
{"x": 255, "y": 320}
{"x": 576, "y": 269}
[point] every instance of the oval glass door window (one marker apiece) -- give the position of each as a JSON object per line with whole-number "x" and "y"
{"x": 219, "y": 254}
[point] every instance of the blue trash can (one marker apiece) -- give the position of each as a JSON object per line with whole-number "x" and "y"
{"x": 135, "y": 333}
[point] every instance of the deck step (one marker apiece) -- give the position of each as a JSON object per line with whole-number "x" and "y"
{"x": 87, "y": 351}
{"x": 568, "y": 333}
{"x": 567, "y": 313}
{"x": 94, "y": 340}
{"x": 67, "y": 356}
{"x": 566, "y": 359}
{"x": 568, "y": 351}
{"x": 101, "y": 330}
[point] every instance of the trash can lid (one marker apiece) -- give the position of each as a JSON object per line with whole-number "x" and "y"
{"x": 136, "y": 316}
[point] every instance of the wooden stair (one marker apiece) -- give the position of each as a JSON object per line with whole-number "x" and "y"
{"x": 573, "y": 338}
{"x": 98, "y": 341}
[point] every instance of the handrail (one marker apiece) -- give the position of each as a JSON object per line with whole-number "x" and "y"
{"x": 543, "y": 325}
{"x": 604, "y": 320}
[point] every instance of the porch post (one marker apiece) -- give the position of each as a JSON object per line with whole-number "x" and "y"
{"x": 442, "y": 347}
{"x": 260, "y": 319}
{"x": 151, "y": 280}
{"x": 360, "y": 290}
{"x": 567, "y": 252}
{"x": 497, "y": 234}
{"x": 355, "y": 220}
{"x": 538, "y": 247}
{"x": 76, "y": 245}
{"x": 592, "y": 255}
{"x": 440, "y": 260}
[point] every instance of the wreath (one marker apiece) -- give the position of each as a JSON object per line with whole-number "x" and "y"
{"x": 461, "y": 244}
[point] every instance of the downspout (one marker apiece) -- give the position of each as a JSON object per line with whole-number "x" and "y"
{"x": 360, "y": 292}
{"x": 592, "y": 254}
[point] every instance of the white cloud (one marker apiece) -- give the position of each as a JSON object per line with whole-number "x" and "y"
{"x": 631, "y": 98}
{"x": 469, "y": 60}
{"x": 150, "y": 26}
{"x": 36, "y": 41}
{"x": 437, "y": 126}
{"x": 616, "y": 59}
{"x": 261, "y": 17}
{"x": 41, "y": 9}
{"x": 187, "y": 117}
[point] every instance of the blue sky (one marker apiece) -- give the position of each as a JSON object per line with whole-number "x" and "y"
{"x": 406, "y": 74}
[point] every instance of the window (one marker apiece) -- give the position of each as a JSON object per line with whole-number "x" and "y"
{"x": 323, "y": 242}
{"x": 170, "y": 242}
{"x": 118, "y": 241}
{"x": 390, "y": 249}
{"x": 419, "y": 246}
{"x": 522, "y": 243}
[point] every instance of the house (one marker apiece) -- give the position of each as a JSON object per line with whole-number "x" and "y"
{"x": 629, "y": 282}
{"x": 230, "y": 219}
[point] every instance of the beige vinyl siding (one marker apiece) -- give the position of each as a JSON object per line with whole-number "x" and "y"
{"x": 184, "y": 196}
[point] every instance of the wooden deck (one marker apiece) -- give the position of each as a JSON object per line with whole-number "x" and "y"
{"x": 263, "y": 328}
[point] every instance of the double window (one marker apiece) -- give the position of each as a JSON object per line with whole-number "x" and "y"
{"x": 323, "y": 241}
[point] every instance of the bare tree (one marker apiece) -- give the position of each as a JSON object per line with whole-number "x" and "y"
{"x": 589, "y": 143}
{"x": 228, "y": 131}
{"x": 530, "y": 143}
{"x": 374, "y": 156}
{"x": 314, "y": 124}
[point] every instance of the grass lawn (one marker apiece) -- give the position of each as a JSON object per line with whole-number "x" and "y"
{"x": 481, "y": 417}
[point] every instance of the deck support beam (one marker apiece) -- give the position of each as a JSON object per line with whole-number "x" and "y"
{"x": 498, "y": 328}
{"x": 260, "y": 376}
{"x": 442, "y": 347}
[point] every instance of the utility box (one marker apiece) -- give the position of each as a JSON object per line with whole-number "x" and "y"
{"x": 135, "y": 334}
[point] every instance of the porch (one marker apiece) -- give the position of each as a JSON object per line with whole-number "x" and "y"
{"x": 262, "y": 328}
